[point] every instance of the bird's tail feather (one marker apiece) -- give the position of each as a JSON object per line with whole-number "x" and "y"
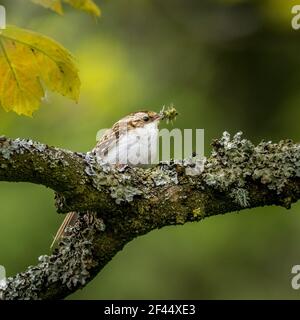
{"x": 69, "y": 220}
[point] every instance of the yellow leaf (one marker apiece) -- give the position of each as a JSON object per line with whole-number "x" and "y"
{"x": 84, "y": 5}
{"x": 29, "y": 61}
{"x": 54, "y": 5}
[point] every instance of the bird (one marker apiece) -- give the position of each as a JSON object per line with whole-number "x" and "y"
{"x": 131, "y": 141}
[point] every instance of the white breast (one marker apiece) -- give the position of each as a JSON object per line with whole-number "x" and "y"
{"x": 136, "y": 148}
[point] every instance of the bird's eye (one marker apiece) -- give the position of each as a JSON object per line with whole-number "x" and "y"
{"x": 146, "y": 118}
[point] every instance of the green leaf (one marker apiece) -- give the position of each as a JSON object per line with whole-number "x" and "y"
{"x": 28, "y": 62}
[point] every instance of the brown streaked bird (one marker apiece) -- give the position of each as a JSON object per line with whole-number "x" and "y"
{"x": 131, "y": 141}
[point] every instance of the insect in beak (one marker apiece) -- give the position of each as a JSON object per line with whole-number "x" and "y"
{"x": 169, "y": 114}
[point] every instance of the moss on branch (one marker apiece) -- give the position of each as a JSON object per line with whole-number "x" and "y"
{"x": 119, "y": 205}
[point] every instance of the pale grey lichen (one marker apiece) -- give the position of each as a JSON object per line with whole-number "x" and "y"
{"x": 19, "y": 146}
{"x": 118, "y": 181}
{"x": 5, "y": 149}
{"x": 124, "y": 193}
{"x": 163, "y": 177}
{"x": 195, "y": 166}
{"x": 69, "y": 266}
{"x": 234, "y": 161}
{"x": 240, "y": 196}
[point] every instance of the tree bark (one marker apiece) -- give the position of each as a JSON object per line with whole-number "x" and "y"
{"x": 116, "y": 206}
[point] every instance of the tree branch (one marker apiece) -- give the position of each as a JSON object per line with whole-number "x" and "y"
{"x": 117, "y": 206}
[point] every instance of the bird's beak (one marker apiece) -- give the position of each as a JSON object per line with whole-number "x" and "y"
{"x": 158, "y": 116}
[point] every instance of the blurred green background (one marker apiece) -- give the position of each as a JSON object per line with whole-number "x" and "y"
{"x": 226, "y": 65}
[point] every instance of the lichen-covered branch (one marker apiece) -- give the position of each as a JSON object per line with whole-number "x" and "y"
{"x": 117, "y": 206}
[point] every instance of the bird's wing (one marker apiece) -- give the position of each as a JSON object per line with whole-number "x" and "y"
{"x": 109, "y": 139}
